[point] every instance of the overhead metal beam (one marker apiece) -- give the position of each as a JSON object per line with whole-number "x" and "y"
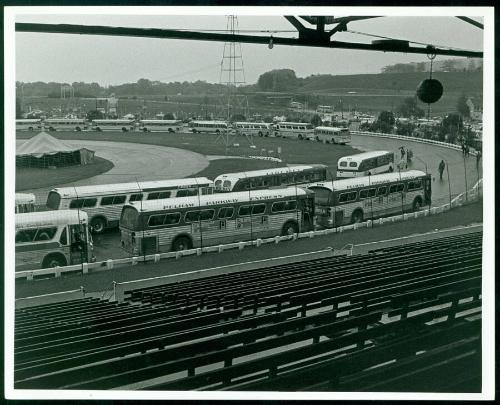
{"x": 207, "y": 36}
{"x": 473, "y": 22}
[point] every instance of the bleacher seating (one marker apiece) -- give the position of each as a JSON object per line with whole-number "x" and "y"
{"x": 390, "y": 320}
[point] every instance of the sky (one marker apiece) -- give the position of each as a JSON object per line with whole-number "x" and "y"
{"x": 116, "y": 60}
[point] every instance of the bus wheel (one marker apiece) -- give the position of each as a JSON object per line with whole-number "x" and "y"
{"x": 417, "y": 204}
{"x": 98, "y": 129}
{"x": 30, "y": 129}
{"x": 300, "y": 137}
{"x": 181, "y": 243}
{"x": 78, "y": 129}
{"x": 333, "y": 141}
{"x": 317, "y": 138}
{"x": 357, "y": 217}
{"x": 144, "y": 130}
{"x": 98, "y": 225}
{"x": 261, "y": 134}
{"x": 54, "y": 260}
{"x": 171, "y": 130}
{"x": 51, "y": 129}
{"x": 124, "y": 129}
{"x": 290, "y": 228}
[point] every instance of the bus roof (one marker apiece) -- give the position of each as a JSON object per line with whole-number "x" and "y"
{"x": 113, "y": 121}
{"x": 25, "y": 198}
{"x": 27, "y": 120}
{"x": 50, "y": 218}
{"x": 209, "y": 122}
{"x": 160, "y": 121}
{"x": 64, "y": 119}
{"x": 266, "y": 172}
{"x": 251, "y": 123}
{"x": 334, "y": 129}
{"x": 366, "y": 181}
{"x": 105, "y": 189}
{"x": 364, "y": 155}
{"x": 217, "y": 199}
{"x": 293, "y": 123}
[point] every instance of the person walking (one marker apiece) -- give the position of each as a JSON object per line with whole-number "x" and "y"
{"x": 441, "y": 169}
{"x": 478, "y": 159}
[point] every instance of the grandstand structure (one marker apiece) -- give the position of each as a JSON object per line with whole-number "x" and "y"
{"x": 403, "y": 318}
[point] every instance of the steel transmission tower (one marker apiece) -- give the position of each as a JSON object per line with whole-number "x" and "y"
{"x": 232, "y": 75}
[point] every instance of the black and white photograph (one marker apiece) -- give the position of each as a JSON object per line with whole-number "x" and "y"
{"x": 249, "y": 203}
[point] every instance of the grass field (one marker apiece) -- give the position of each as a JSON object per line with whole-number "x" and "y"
{"x": 30, "y": 178}
{"x": 292, "y": 150}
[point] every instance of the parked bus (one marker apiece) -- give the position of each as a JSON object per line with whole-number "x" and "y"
{"x": 365, "y": 164}
{"x": 298, "y": 130}
{"x": 113, "y": 125}
{"x": 103, "y": 203}
{"x": 324, "y": 109}
{"x": 252, "y": 128}
{"x": 25, "y": 202}
{"x": 51, "y": 239}
{"x": 209, "y": 126}
{"x": 185, "y": 223}
{"x": 28, "y": 125}
{"x": 160, "y": 125}
{"x": 347, "y": 201}
{"x": 266, "y": 178}
{"x": 65, "y": 124}
{"x": 333, "y": 135}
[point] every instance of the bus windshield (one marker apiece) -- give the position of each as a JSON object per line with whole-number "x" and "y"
{"x": 129, "y": 218}
{"x": 53, "y": 200}
{"x": 322, "y": 195}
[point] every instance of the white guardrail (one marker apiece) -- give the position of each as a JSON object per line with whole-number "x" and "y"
{"x": 109, "y": 264}
{"x": 412, "y": 139}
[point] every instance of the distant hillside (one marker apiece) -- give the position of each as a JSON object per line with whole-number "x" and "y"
{"x": 467, "y": 82}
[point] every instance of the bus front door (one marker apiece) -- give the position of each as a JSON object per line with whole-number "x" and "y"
{"x": 78, "y": 244}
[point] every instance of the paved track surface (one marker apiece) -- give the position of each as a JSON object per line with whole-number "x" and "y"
{"x": 427, "y": 156}
{"x": 135, "y": 162}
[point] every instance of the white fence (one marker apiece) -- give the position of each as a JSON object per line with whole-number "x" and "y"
{"x": 412, "y": 139}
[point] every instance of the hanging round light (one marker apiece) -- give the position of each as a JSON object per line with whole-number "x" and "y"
{"x": 430, "y": 90}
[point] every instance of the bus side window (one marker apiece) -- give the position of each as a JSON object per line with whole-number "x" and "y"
{"x": 45, "y": 233}
{"x": 381, "y": 191}
{"x": 25, "y": 235}
{"x": 90, "y": 202}
{"x": 135, "y": 197}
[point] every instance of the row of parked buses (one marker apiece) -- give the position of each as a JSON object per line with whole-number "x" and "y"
{"x": 181, "y": 214}
{"x": 299, "y": 130}
{"x": 80, "y": 124}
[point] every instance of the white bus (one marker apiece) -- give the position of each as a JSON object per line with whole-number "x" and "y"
{"x": 266, "y": 178}
{"x": 300, "y": 130}
{"x": 252, "y": 128}
{"x": 209, "y": 126}
{"x": 28, "y": 125}
{"x": 365, "y": 164}
{"x": 52, "y": 239}
{"x": 324, "y": 109}
{"x": 160, "y": 125}
{"x": 103, "y": 203}
{"x": 180, "y": 224}
{"x": 65, "y": 124}
{"x": 347, "y": 201}
{"x": 333, "y": 135}
{"x": 113, "y": 125}
{"x": 25, "y": 202}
